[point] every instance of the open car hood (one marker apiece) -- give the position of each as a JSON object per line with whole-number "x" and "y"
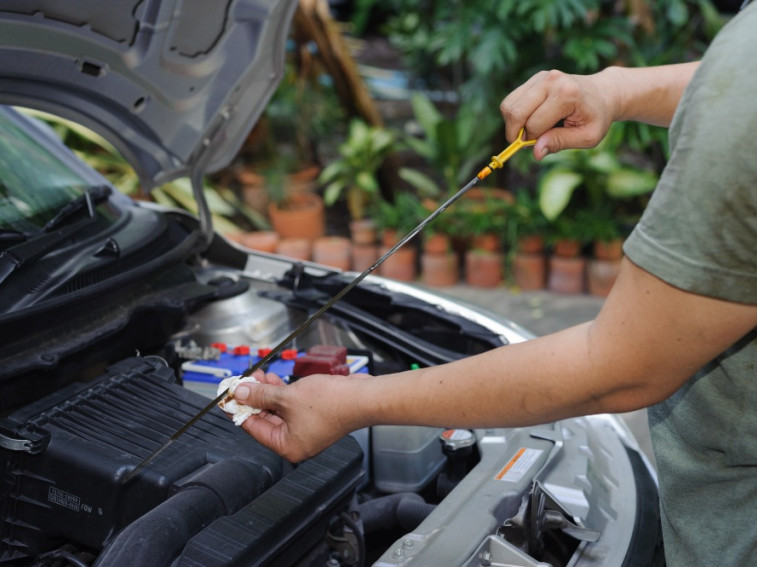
{"x": 175, "y": 85}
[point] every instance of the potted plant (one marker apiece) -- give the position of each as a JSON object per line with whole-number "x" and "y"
{"x": 595, "y": 179}
{"x": 394, "y": 220}
{"x": 483, "y": 223}
{"x": 567, "y": 267}
{"x": 286, "y": 144}
{"x": 606, "y": 235}
{"x": 440, "y": 264}
{"x": 293, "y": 213}
{"x": 452, "y": 148}
{"x": 525, "y": 235}
{"x": 353, "y": 173}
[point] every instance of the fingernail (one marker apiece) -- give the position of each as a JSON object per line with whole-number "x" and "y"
{"x": 242, "y": 392}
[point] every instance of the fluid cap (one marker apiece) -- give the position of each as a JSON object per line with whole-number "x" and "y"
{"x": 454, "y": 440}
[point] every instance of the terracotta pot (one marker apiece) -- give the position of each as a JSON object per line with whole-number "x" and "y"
{"x": 401, "y": 265}
{"x": 479, "y": 195}
{"x": 301, "y": 217}
{"x": 364, "y": 256}
{"x": 303, "y": 179}
{"x": 601, "y": 275}
{"x": 483, "y": 269}
{"x": 389, "y": 237}
{"x": 531, "y": 244}
{"x": 486, "y": 242}
{"x": 566, "y": 275}
{"x": 440, "y": 270}
{"x": 436, "y": 243}
{"x": 363, "y": 232}
{"x": 608, "y": 249}
{"x": 248, "y": 177}
{"x": 566, "y": 248}
{"x": 334, "y": 251}
{"x": 297, "y": 248}
{"x": 262, "y": 240}
{"x": 530, "y": 271}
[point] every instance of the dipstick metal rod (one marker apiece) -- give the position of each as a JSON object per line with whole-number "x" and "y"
{"x": 497, "y": 162}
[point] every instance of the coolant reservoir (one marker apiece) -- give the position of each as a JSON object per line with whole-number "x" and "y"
{"x": 405, "y": 458}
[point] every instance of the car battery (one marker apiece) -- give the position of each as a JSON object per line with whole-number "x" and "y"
{"x": 221, "y": 361}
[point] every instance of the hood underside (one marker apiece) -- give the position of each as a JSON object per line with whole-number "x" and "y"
{"x": 175, "y": 85}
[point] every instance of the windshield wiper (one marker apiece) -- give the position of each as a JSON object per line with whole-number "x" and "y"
{"x": 91, "y": 197}
{"x": 11, "y": 236}
{"x": 37, "y": 246}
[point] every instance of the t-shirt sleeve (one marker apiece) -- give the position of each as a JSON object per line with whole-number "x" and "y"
{"x": 699, "y": 232}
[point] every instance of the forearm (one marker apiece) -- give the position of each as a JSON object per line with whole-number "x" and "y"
{"x": 647, "y": 94}
{"x": 646, "y": 342}
{"x": 538, "y": 381}
{"x": 648, "y": 339}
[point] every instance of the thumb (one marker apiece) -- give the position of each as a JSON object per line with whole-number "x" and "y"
{"x": 557, "y": 139}
{"x": 260, "y": 396}
{"x": 242, "y": 393}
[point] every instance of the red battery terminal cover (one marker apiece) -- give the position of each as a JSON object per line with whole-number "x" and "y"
{"x": 309, "y": 364}
{"x": 289, "y": 354}
{"x": 322, "y": 359}
{"x": 338, "y": 353}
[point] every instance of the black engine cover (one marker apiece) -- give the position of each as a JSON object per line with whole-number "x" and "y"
{"x": 64, "y": 456}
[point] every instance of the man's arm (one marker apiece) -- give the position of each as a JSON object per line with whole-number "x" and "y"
{"x": 588, "y": 104}
{"x": 648, "y": 339}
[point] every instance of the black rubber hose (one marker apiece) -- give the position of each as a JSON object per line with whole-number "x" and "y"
{"x": 404, "y": 509}
{"x": 159, "y": 536}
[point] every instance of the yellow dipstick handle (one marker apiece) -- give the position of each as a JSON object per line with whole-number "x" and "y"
{"x": 499, "y": 160}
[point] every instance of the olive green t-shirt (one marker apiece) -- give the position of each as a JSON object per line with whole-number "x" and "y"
{"x": 699, "y": 234}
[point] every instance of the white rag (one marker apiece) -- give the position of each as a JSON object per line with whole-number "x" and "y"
{"x": 238, "y": 412}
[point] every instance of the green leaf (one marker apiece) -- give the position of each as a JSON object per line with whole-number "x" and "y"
{"x": 678, "y": 12}
{"x": 603, "y": 162}
{"x": 555, "y": 190}
{"x": 426, "y": 114}
{"x": 625, "y": 183}
{"x": 366, "y": 182}
{"x": 329, "y": 172}
{"x": 181, "y": 191}
{"x": 424, "y": 184}
{"x": 421, "y": 147}
{"x": 332, "y": 191}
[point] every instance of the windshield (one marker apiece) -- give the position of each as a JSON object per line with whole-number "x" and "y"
{"x": 35, "y": 182}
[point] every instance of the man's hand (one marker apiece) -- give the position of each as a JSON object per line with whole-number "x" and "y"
{"x": 584, "y": 104}
{"x": 587, "y": 104}
{"x": 301, "y": 419}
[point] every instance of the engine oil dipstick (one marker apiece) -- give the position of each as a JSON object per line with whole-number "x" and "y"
{"x": 496, "y": 163}
{"x": 499, "y": 160}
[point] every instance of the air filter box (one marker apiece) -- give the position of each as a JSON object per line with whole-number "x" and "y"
{"x": 64, "y": 456}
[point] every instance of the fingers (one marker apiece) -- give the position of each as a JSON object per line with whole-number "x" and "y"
{"x": 520, "y": 104}
{"x": 552, "y": 97}
{"x": 267, "y": 378}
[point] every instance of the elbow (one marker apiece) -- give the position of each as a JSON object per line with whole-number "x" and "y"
{"x": 642, "y": 392}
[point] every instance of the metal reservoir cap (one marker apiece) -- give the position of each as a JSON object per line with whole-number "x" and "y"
{"x": 454, "y": 440}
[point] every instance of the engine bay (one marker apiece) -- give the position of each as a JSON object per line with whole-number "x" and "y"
{"x": 384, "y": 495}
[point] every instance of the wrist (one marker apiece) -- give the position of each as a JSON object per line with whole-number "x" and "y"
{"x": 609, "y": 84}
{"x": 355, "y": 405}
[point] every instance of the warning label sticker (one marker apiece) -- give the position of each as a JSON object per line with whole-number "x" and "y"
{"x": 519, "y": 465}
